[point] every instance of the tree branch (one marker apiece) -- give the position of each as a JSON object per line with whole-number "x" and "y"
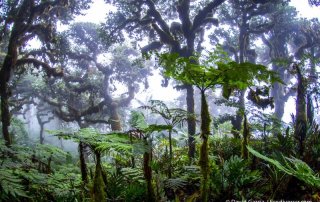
{"x": 183, "y": 9}
{"x": 199, "y": 19}
{"x": 37, "y": 63}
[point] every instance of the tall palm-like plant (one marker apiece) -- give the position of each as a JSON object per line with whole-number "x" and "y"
{"x": 172, "y": 118}
{"x": 215, "y": 70}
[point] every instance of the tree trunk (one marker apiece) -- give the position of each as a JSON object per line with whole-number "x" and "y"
{"x": 204, "y": 155}
{"x": 245, "y": 141}
{"x": 41, "y": 127}
{"x": 301, "y": 114}
{"x": 170, "y": 154}
{"x": 115, "y": 117}
{"x": 98, "y": 192}
{"x": 41, "y": 133}
{"x": 191, "y": 123}
{"x": 5, "y": 114}
{"x": 243, "y": 46}
{"x": 5, "y": 74}
{"x": 190, "y": 102}
{"x": 279, "y": 101}
{"x": 279, "y": 95}
{"x": 83, "y": 165}
{"x": 237, "y": 121}
{"x": 147, "y": 171}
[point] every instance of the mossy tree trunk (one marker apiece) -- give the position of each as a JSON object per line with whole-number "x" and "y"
{"x": 147, "y": 171}
{"x": 98, "y": 192}
{"x": 204, "y": 155}
{"x": 170, "y": 154}
{"x": 301, "y": 112}
{"x": 245, "y": 141}
{"x": 83, "y": 165}
{"x": 5, "y": 74}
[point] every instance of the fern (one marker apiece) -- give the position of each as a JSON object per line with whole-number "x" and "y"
{"x": 175, "y": 183}
{"x": 23, "y": 174}
{"x": 11, "y": 185}
{"x": 137, "y": 120}
{"x": 114, "y": 141}
{"x": 133, "y": 175}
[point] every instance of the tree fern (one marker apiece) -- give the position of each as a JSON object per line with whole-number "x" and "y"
{"x": 10, "y": 185}
{"x": 117, "y": 141}
{"x": 175, "y": 183}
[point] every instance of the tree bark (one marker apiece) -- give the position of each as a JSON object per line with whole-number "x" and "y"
{"x": 99, "y": 193}
{"x": 245, "y": 141}
{"x": 5, "y": 75}
{"x": 147, "y": 171}
{"x": 301, "y": 112}
{"x": 83, "y": 165}
{"x": 279, "y": 100}
{"x": 191, "y": 123}
{"x": 237, "y": 121}
{"x": 243, "y": 43}
{"x": 204, "y": 154}
{"x": 170, "y": 154}
{"x": 115, "y": 117}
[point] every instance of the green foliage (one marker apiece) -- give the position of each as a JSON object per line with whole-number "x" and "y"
{"x": 215, "y": 70}
{"x": 172, "y": 116}
{"x": 133, "y": 175}
{"x": 235, "y": 179}
{"x": 294, "y": 167}
{"x": 135, "y": 193}
{"x": 38, "y": 173}
{"x": 11, "y": 185}
{"x": 114, "y": 141}
{"x": 225, "y": 147}
{"x": 137, "y": 120}
{"x": 18, "y": 130}
{"x": 175, "y": 183}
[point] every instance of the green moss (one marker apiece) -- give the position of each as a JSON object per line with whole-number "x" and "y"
{"x": 204, "y": 157}
{"x": 98, "y": 191}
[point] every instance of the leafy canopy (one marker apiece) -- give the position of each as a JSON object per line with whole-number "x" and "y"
{"x": 215, "y": 69}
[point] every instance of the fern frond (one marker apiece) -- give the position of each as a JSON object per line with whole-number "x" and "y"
{"x": 175, "y": 183}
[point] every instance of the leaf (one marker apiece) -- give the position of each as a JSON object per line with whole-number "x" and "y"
{"x": 294, "y": 167}
{"x": 137, "y": 120}
{"x": 11, "y": 184}
{"x": 175, "y": 183}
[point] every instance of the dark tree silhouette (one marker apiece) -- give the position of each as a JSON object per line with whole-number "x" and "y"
{"x": 150, "y": 20}
{"x": 23, "y": 21}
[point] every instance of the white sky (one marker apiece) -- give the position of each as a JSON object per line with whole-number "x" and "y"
{"x": 305, "y": 10}
{"x": 98, "y": 10}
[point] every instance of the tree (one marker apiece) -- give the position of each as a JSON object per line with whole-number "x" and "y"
{"x": 87, "y": 91}
{"x": 149, "y": 19}
{"x": 141, "y": 129}
{"x": 23, "y": 21}
{"x": 314, "y": 2}
{"x": 172, "y": 117}
{"x": 277, "y": 40}
{"x": 99, "y": 144}
{"x": 245, "y": 20}
{"x": 216, "y": 70}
